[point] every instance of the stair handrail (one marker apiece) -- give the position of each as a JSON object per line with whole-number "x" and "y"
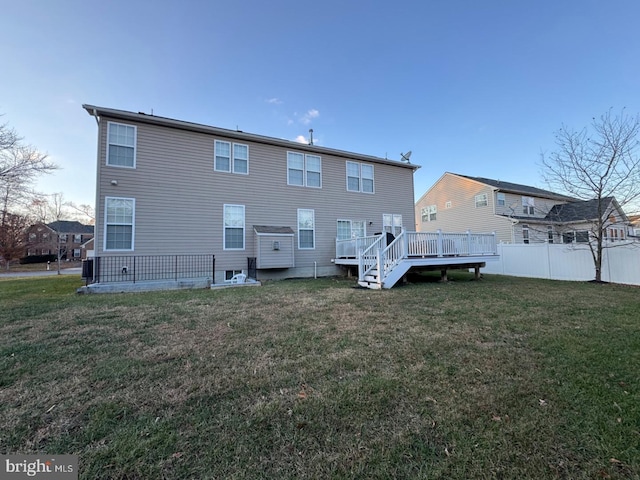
{"x": 392, "y": 255}
{"x": 368, "y": 258}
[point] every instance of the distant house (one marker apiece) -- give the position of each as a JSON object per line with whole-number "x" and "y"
{"x": 634, "y": 224}
{"x": 516, "y": 213}
{"x": 65, "y": 235}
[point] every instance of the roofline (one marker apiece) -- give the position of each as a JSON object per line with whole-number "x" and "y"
{"x": 98, "y": 112}
{"x": 549, "y": 194}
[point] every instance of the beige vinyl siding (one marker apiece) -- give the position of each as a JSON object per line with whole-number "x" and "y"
{"x": 267, "y": 257}
{"x": 513, "y": 205}
{"x": 463, "y": 215}
{"x": 179, "y": 197}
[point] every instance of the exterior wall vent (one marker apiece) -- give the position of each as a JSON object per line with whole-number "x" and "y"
{"x": 276, "y": 245}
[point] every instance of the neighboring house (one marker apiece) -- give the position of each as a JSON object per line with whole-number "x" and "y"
{"x": 68, "y": 236}
{"x": 634, "y": 225}
{"x": 87, "y": 249}
{"x": 171, "y": 187}
{"x": 516, "y": 213}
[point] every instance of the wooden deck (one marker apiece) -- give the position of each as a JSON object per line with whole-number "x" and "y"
{"x": 382, "y": 261}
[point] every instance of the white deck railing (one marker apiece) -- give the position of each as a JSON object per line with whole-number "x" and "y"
{"x": 373, "y": 252}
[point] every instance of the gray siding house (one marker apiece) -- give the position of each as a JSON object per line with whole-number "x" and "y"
{"x": 171, "y": 187}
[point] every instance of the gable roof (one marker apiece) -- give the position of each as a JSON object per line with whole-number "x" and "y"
{"x": 70, "y": 226}
{"x": 237, "y": 134}
{"x": 580, "y": 210}
{"x": 518, "y": 188}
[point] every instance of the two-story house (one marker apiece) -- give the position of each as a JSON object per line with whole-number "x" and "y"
{"x": 171, "y": 187}
{"x": 65, "y": 236}
{"x": 516, "y": 213}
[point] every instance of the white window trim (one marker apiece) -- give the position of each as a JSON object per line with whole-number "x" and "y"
{"x": 485, "y": 201}
{"x": 224, "y": 228}
{"x": 135, "y": 145}
{"x": 232, "y": 158}
{"x": 133, "y": 226}
{"x": 351, "y": 222}
{"x": 360, "y": 177}
{"x": 313, "y": 212}
{"x": 386, "y": 227}
{"x": 305, "y": 170}
{"x": 501, "y": 197}
{"x": 428, "y": 211}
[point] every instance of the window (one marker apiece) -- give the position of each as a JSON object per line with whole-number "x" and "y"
{"x": 77, "y": 238}
{"x": 392, "y": 223}
{"x": 481, "y": 200}
{"x": 225, "y": 161}
{"x": 447, "y": 204}
{"x": 119, "y": 221}
{"x": 429, "y": 213}
{"x": 76, "y": 253}
{"x": 525, "y": 233}
{"x": 63, "y": 237}
{"x": 582, "y": 236}
{"x": 304, "y": 170}
{"x": 568, "y": 237}
{"x": 501, "y": 200}
{"x": 348, "y": 229}
{"x": 233, "y": 227}
{"x": 32, "y": 237}
{"x": 360, "y": 177}
{"x": 528, "y": 206}
{"x": 306, "y": 229}
{"x": 550, "y": 233}
{"x": 229, "y": 274}
{"x": 121, "y": 145}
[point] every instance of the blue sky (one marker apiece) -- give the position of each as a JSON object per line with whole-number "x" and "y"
{"x": 472, "y": 87}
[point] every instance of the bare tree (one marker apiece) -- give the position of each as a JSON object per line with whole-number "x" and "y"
{"x": 50, "y": 209}
{"x": 20, "y": 165}
{"x": 598, "y": 164}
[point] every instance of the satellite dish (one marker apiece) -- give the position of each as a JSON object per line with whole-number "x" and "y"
{"x": 406, "y": 156}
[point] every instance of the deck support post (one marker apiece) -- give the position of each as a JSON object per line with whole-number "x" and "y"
{"x": 443, "y": 275}
{"x": 477, "y": 272}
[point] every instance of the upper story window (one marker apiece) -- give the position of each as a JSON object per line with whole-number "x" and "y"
{"x": 550, "y": 233}
{"x": 304, "y": 170}
{"x": 234, "y": 227}
{"x": 63, "y": 237}
{"x": 429, "y": 213}
{"x": 121, "y": 145}
{"x": 230, "y": 157}
{"x": 360, "y": 177}
{"x": 482, "y": 200}
{"x": 528, "y": 205}
{"x": 306, "y": 228}
{"x": 77, "y": 238}
{"x": 501, "y": 200}
{"x": 119, "y": 223}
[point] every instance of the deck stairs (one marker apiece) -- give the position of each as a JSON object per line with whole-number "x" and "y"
{"x": 384, "y": 260}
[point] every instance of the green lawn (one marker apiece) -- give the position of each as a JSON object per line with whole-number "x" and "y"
{"x": 498, "y": 378}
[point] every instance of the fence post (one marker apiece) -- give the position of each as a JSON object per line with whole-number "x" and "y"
{"x": 134, "y": 269}
{"x": 469, "y": 252}
{"x": 175, "y": 268}
{"x": 213, "y": 269}
{"x": 439, "y": 242}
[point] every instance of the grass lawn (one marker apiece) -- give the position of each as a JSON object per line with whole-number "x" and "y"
{"x": 498, "y": 378}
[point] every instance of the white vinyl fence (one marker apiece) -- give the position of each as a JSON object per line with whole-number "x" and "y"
{"x": 620, "y": 263}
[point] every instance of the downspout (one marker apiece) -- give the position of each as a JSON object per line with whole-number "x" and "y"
{"x": 315, "y": 269}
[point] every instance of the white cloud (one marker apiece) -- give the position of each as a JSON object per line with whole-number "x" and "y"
{"x": 301, "y": 139}
{"x": 274, "y": 101}
{"x": 310, "y": 115}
